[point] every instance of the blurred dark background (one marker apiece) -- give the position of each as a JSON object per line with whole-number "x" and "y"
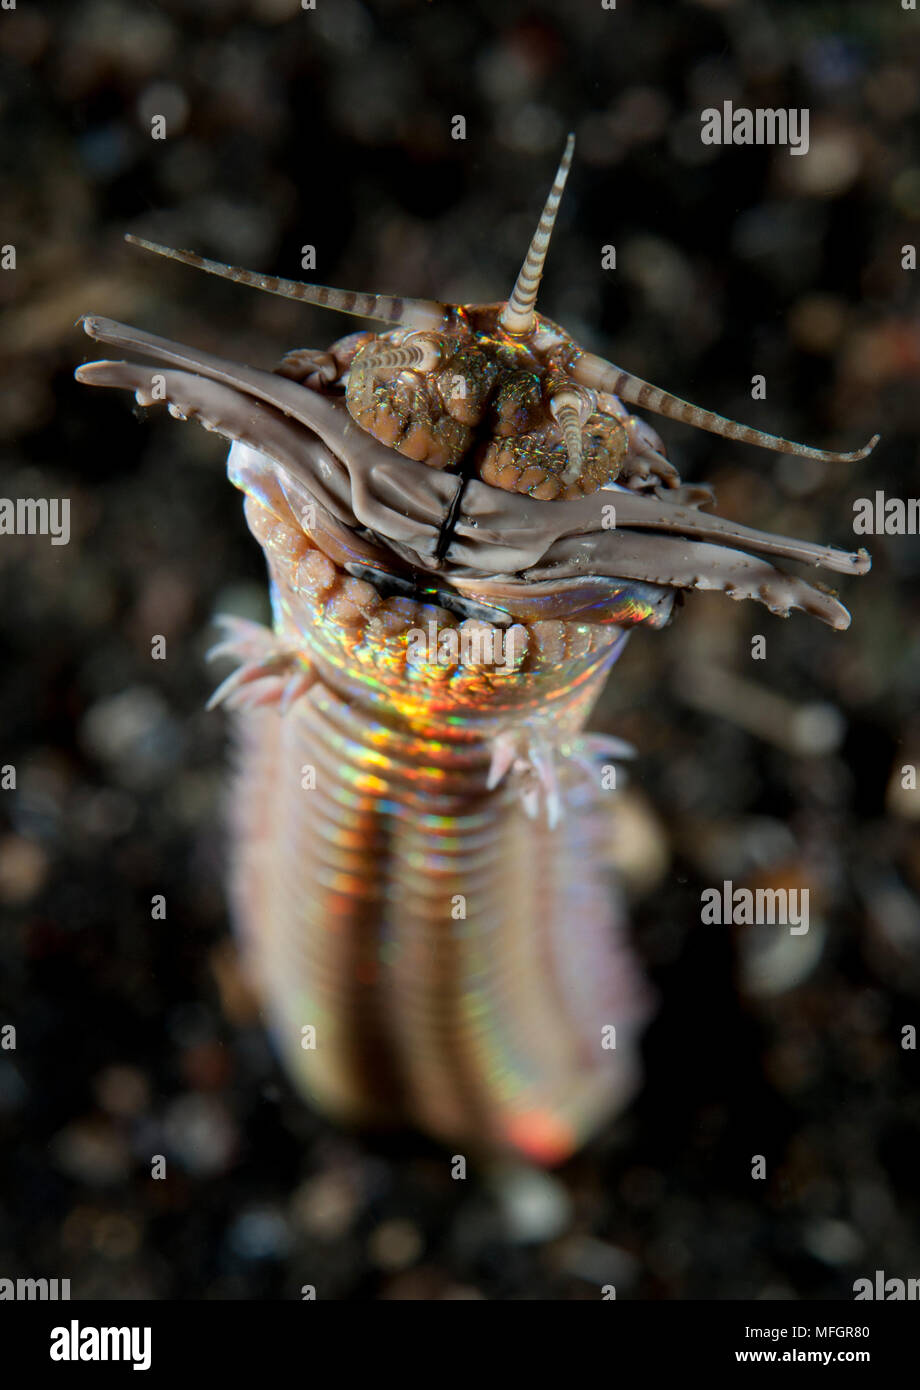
{"x": 333, "y": 127}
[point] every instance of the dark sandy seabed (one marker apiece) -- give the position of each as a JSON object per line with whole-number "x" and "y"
{"x": 138, "y": 1037}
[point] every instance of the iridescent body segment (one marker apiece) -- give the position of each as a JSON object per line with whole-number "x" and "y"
{"x": 462, "y": 521}
{"x": 458, "y": 959}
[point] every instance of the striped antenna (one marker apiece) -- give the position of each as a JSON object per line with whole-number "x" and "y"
{"x": 416, "y": 313}
{"x": 518, "y": 316}
{"x": 420, "y": 353}
{"x": 604, "y": 376}
{"x": 570, "y": 425}
{"x": 572, "y": 408}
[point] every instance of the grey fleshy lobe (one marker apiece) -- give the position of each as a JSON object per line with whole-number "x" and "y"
{"x": 374, "y": 507}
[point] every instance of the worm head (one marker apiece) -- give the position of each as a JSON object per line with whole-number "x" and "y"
{"x": 482, "y": 442}
{"x": 476, "y": 397}
{"x": 485, "y": 393}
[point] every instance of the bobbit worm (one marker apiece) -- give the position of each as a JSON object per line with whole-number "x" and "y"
{"x": 462, "y": 520}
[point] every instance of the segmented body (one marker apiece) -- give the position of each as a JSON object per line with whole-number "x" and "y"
{"x": 458, "y": 959}
{"x": 458, "y": 963}
{"x": 420, "y": 836}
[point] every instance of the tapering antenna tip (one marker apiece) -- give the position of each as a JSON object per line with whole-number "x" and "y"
{"x": 857, "y": 454}
{"x": 565, "y": 163}
{"x": 518, "y": 316}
